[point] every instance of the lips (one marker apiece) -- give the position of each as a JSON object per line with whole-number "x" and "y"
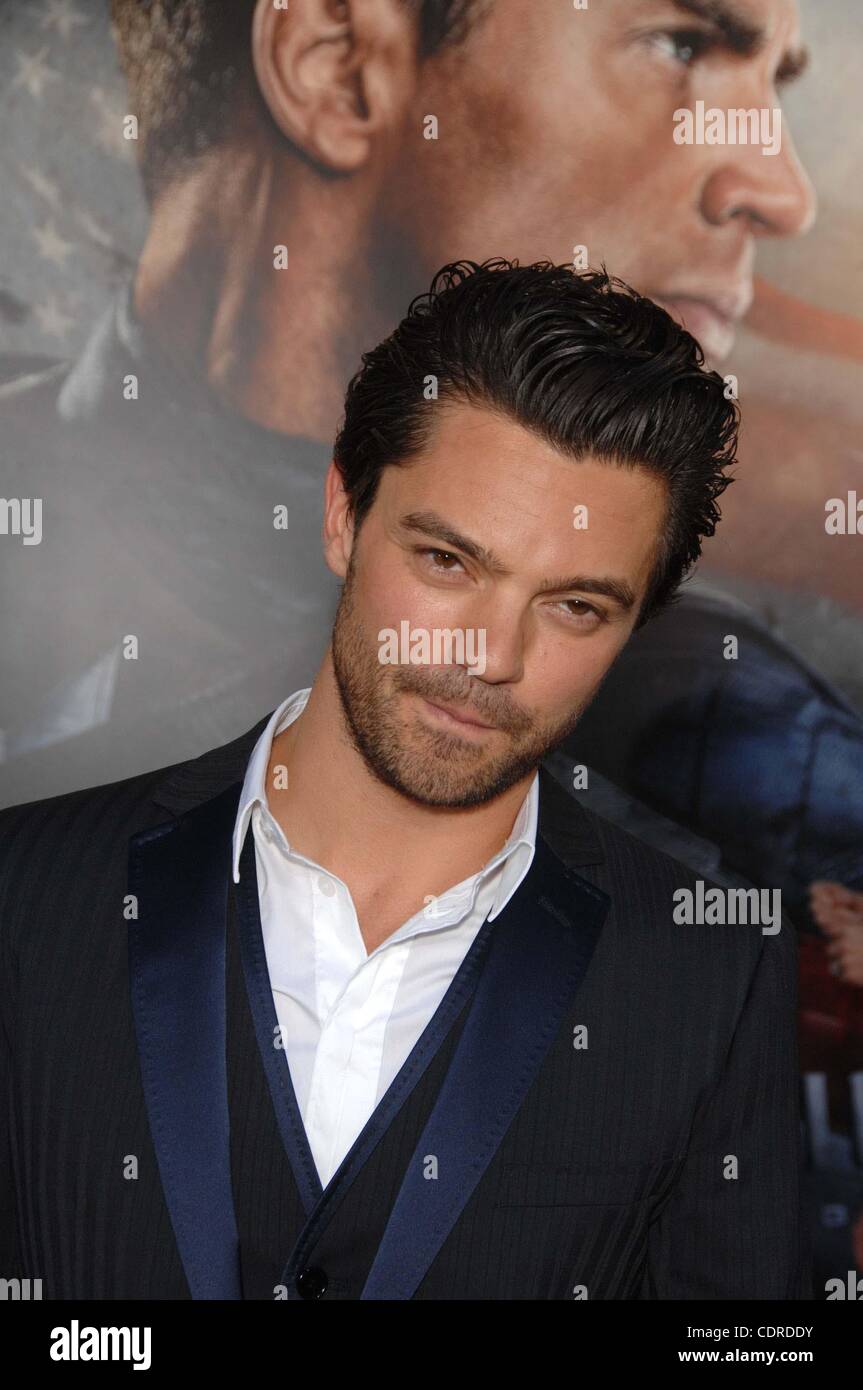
{"x": 711, "y": 319}
{"x": 459, "y": 714}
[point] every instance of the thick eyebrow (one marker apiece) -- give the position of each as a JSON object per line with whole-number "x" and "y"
{"x": 431, "y": 525}
{"x": 742, "y": 36}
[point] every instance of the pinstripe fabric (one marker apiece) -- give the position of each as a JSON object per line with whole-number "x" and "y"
{"x": 609, "y": 1182}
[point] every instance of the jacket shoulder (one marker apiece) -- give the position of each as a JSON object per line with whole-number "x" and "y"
{"x": 100, "y": 815}
{"x": 655, "y": 895}
{"x": 33, "y": 831}
{"x": 63, "y": 856}
{"x": 625, "y": 854}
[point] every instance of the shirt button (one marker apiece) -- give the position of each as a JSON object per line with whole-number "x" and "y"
{"x": 326, "y": 886}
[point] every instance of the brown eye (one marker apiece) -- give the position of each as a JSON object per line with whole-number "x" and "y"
{"x": 437, "y": 556}
{"x": 582, "y": 613}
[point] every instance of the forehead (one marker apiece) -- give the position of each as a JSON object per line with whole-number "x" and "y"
{"x": 506, "y": 488}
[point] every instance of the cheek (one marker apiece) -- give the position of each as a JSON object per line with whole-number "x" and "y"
{"x": 494, "y": 128}
{"x": 564, "y": 674}
{"x": 396, "y": 594}
{"x": 375, "y": 606}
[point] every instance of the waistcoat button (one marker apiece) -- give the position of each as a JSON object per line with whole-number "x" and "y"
{"x": 311, "y": 1282}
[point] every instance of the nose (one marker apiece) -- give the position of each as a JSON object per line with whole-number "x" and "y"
{"x": 773, "y": 194}
{"x": 500, "y": 635}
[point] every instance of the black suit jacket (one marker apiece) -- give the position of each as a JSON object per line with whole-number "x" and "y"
{"x": 564, "y": 1128}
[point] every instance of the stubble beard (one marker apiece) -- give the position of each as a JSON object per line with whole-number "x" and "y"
{"x": 429, "y": 766}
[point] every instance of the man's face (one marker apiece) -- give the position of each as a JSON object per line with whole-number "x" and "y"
{"x": 556, "y": 130}
{"x": 479, "y": 537}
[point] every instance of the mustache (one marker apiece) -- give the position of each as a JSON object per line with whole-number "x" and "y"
{"x": 495, "y": 707}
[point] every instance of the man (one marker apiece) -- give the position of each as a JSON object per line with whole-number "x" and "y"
{"x": 368, "y": 143}
{"x": 399, "y": 1019}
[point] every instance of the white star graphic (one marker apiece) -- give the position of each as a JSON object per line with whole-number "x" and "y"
{"x": 108, "y": 132}
{"x": 51, "y": 245}
{"x": 33, "y": 73}
{"x": 52, "y": 320}
{"x": 62, "y": 16}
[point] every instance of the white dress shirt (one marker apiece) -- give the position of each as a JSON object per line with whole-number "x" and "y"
{"x": 348, "y": 1020}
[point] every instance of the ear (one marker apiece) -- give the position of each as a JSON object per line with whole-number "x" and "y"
{"x": 335, "y": 74}
{"x": 338, "y": 529}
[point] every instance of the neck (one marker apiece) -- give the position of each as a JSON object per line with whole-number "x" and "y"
{"x": 336, "y": 812}
{"x": 275, "y": 345}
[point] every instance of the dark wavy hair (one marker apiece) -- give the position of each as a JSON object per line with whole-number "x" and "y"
{"x": 588, "y": 364}
{"x": 188, "y": 65}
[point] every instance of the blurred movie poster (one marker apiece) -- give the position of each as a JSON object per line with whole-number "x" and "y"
{"x": 211, "y": 209}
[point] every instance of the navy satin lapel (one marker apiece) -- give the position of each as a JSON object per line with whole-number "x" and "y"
{"x": 540, "y": 948}
{"x": 262, "y": 1004}
{"x": 179, "y": 875}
